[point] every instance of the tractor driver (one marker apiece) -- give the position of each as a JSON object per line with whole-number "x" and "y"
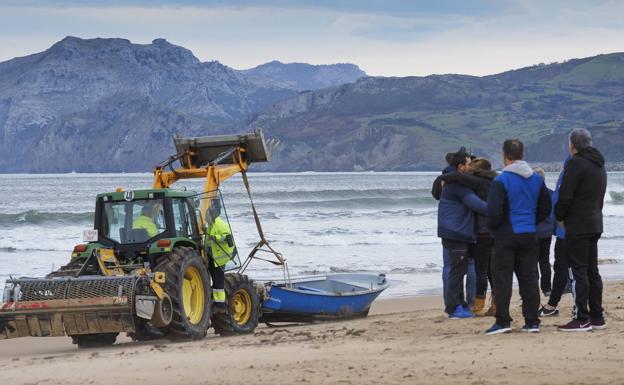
{"x": 219, "y": 245}
{"x": 146, "y": 219}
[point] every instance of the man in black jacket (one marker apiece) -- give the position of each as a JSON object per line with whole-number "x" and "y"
{"x": 579, "y": 211}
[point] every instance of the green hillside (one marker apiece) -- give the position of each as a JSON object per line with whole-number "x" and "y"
{"x": 409, "y": 123}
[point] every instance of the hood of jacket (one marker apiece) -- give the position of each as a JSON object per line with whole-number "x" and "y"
{"x": 448, "y": 169}
{"x": 593, "y": 155}
{"x": 520, "y": 167}
{"x": 487, "y": 174}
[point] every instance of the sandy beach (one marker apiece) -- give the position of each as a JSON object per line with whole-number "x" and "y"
{"x": 403, "y": 341}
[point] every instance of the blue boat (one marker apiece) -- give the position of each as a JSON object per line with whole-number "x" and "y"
{"x": 322, "y": 298}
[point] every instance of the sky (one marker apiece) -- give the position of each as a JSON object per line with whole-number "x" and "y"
{"x": 385, "y": 38}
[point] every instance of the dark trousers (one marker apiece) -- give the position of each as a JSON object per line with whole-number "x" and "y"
{"x": 458, "y": 255}
{"x": 561, "y": 273}
{"x": 218, "y": 276}
{"x": 543, "y": 261}
{"x": 482, "y": 254}
{"x": 516, "y": 254}
{"x": 582, "y": 251}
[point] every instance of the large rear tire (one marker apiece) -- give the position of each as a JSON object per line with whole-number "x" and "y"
{"x": 94, "y": 340}
{"x": 242, "y": 307}
{"x": 188, "y": 285}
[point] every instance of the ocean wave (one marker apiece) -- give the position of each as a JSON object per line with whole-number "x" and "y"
{"x": 328, "y": 194}
{"x": 341, "y": 242}
{"x": 617, "y": 197}
{"x": 36, "y": 217}
{"x": 427, "y": 269}
{"x": 13, "y": 249}
{"x": 366, "y": 203}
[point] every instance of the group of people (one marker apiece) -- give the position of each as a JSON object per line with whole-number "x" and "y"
{"x": 493, "y": 225}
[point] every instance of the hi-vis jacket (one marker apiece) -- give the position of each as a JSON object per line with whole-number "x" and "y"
{"x": 216, "y": 238}
{"x": 144, "y": 222}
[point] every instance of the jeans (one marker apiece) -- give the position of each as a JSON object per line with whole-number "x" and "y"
{"x": 471, "y": 277}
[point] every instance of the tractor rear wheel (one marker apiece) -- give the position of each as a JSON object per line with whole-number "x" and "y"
{"x": 94, "y": 340}
{"x": 242, "y": 307}
{"x": 188, "y": 285}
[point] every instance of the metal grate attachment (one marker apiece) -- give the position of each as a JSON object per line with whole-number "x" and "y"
{"x": 92, "y": 288}
{"x": 41, "y": 290}
{"x": 74, "y": 288}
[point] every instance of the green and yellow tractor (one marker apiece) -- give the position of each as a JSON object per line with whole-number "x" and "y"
{"x": 144, "y": 268}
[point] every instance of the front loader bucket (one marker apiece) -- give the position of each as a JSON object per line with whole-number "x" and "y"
{"x": 72, "y": 306}
{"x": 208, "y": 148}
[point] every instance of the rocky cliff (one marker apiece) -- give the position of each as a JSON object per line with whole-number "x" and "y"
{"x": 302, "y": 76}
{"x": 110, "y": 105}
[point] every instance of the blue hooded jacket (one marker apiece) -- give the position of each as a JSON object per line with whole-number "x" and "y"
{"x": 559, "y": 231}
{"x": 456, "y": 219}
{"x": 546, "y": 228}
{"x": 517, "y": 201}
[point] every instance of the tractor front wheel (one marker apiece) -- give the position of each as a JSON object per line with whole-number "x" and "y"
{"x": 188, "y": 285}
{"x": 242, "y": 307}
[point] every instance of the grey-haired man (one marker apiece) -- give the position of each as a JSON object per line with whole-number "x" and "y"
{"x": 579, "y": 211}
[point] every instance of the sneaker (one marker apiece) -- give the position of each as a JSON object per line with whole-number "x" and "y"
{"x": 498, "y": 329}
{"x": 460, "y": 313}
{"x": 543, "y": 312}
{"x": 598, "y": 323}
{"x": 576, "y": 326}
{"x": 531, "y": 328}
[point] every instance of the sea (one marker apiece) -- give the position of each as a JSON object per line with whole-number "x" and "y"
{"x": 371, "y": 222}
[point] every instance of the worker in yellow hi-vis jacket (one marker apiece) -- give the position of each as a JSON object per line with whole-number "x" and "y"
{"x": 219, "y": 244}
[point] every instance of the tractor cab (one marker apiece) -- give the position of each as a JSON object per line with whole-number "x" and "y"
{"x": 142, "y": 225}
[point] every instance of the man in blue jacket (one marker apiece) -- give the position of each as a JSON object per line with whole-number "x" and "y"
{"x": 518, "y": 200}
{"x": 562, "y": 275}
{"x": 456, "y": 227}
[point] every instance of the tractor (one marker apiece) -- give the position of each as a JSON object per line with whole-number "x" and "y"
{"x": 144, "y": 267}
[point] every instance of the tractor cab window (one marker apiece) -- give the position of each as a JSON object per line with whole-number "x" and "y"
{"x": 133, "y": 222}
{"x": 219, "y": 242}
{"x": 182, "y": 219}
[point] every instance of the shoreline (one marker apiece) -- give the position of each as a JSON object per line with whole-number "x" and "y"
{"x": 404, "y": 340}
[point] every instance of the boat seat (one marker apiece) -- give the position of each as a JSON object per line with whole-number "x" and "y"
{"x": 308, "y": 288}
{"x": 355, "y": 284}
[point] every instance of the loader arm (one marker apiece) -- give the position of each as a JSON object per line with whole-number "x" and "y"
{"x": 214, "y": 159}
{"x": 214, "y": 175}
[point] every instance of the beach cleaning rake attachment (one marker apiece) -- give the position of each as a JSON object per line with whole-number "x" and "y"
{"x": 81, "y": 306}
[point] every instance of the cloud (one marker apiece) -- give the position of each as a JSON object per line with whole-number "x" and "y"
{"x": 391, "y": 38}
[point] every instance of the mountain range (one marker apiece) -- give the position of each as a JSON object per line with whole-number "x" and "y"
{"x": 410, "y": 123}
{"x": 98, "y": 105}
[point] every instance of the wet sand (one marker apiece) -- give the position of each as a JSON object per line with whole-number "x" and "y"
{"x": 403, "y": 341}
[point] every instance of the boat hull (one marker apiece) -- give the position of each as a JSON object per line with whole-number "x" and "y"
{"x": 335, "y": 297}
